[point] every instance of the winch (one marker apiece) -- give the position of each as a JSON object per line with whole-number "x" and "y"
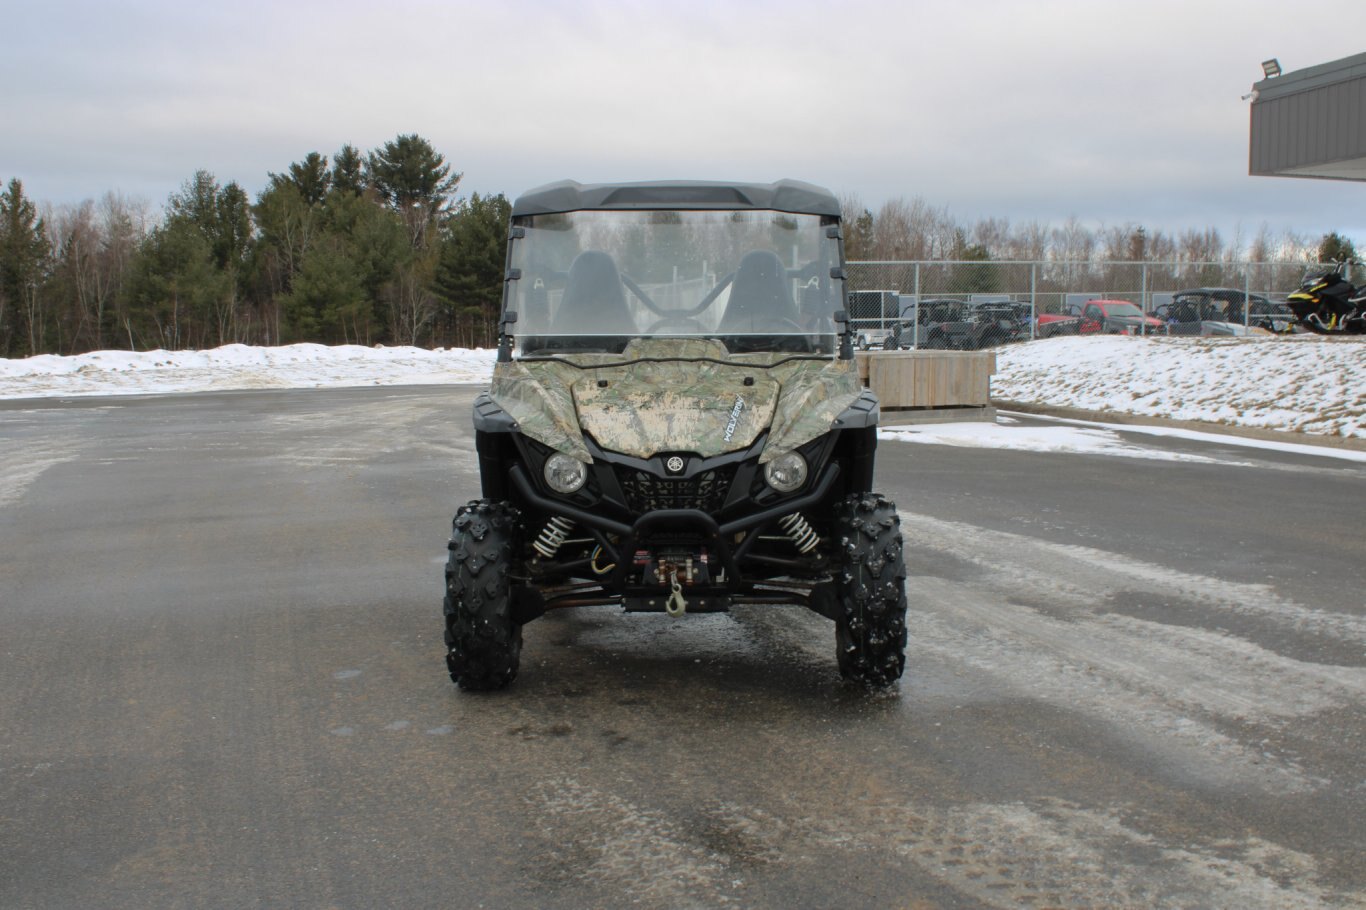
{"x": 662, "y": 567}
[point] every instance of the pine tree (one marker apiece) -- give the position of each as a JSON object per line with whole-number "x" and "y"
{"x": 973, "y": 279}
{"x": 414, "y": 180}
{"x": 326, "y": 302}
{"x": 469, "y": 274}
{"x": 1336, "y": 248}
{"x": 287, "y": 226}
{"x": 348, "y": 172}
{"x": 858, "y": 237}
{"x": 312, "y": 178}
{"x": 175, "y": 289}
{"x": 24, "y": 251}
{"x": 374, "y": 240}
{"x": 221, "y": 216}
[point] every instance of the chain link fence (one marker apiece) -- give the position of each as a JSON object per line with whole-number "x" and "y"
{"x": 899, "y": 303}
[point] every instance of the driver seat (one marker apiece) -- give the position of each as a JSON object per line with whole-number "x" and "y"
{"x": 760, "y": 297}
{"x": 594, "y": 302}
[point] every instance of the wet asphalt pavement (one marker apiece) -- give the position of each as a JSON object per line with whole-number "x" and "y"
{"x": 1131, "y": 683}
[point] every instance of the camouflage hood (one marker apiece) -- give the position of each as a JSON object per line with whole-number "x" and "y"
{"x": 674, "y": 395}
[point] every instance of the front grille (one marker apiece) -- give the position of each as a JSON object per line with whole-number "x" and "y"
{"x": 648, "y": 493}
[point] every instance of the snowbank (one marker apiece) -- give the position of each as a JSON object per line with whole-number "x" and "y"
{"x": 1302, "y": 383}
{"x": 237, "y": 366}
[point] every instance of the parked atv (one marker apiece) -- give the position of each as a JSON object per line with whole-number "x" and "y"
{"x": 964, "y": 326}
{"x": 675, "y": 424}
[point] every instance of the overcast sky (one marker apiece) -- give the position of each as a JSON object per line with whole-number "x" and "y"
{"x": 1115, "y": 111}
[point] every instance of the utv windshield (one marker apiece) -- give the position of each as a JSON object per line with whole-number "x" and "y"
{"x": 594, "y": 280}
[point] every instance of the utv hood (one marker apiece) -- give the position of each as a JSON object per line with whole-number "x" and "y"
{"x": 664, "y": 395}
{"x": 675, "y": 406}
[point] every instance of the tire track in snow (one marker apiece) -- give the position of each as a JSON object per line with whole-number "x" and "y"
{"x": 21, "y": 466}
{"x": 638, "y": 851}
{"x": 1056, "y": 854}
{"x": 377, "y": 428}
{"x": 1078, "y": 576}
{"x": 1050, "y": 853}
{"x": 1174, "y": 689}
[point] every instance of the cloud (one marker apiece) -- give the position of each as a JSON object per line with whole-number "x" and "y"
{"x": 1111, "y": 112}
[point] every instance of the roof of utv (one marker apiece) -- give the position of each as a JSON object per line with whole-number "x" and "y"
{"x": 784, "y": 196}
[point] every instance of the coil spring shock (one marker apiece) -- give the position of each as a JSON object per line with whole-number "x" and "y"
{"x": 553, "y": 536}
{"x": 803, "y": 535}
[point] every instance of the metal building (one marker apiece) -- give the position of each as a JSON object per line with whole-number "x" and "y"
{"x": 1310, "y": 123}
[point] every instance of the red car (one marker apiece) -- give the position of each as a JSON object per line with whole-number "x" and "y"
{"x": 1118, "y": 317}
{"x": 1049, "y": 325}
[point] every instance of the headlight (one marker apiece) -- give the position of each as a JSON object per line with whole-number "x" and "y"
{"x": 786, "y": 472}
{"x": 564, "y": 473}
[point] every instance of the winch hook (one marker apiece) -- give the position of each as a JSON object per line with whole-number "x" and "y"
{"x": 677, "y": 606}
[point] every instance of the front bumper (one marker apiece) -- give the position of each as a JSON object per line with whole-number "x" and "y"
{"x": 729, "y": 542}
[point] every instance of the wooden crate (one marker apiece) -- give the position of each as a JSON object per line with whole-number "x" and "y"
{"x": 928, "y": 379}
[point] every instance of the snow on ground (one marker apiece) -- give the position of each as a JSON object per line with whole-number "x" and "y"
{"x": 1303, "y": 383}
{"x": 1084, "y": 437}
{"x": 237, "y": 366}
{"x": 1007, "y": 434}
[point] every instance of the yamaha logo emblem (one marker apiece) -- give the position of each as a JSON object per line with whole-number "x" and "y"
{"x": 674, "y": 465}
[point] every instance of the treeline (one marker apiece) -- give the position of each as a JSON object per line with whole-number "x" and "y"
{"x": 913, "y": 230}
{"x": 375, "y": 248}
{"x": 365, "y": 249}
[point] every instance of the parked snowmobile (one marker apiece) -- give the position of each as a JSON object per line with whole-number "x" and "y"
{"x": 1328, "y": 304}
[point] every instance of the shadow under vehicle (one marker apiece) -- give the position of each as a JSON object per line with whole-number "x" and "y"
{"x": 675, "y": 424}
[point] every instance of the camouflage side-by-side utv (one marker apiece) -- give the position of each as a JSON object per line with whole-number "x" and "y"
{"x": 675, "y": 424}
